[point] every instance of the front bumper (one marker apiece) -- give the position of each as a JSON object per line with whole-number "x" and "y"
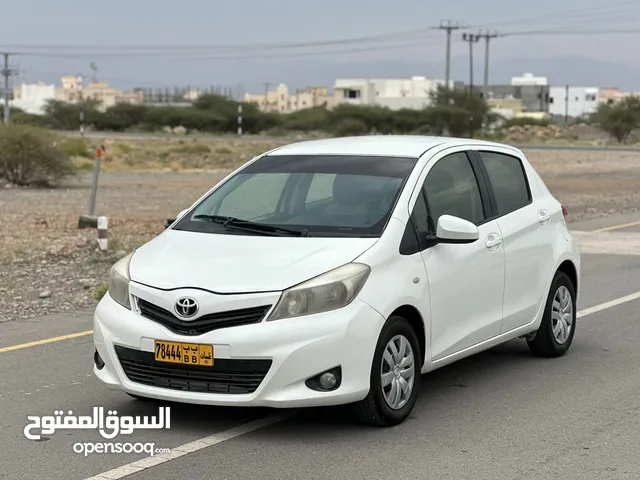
{"x": 297, "y": 349}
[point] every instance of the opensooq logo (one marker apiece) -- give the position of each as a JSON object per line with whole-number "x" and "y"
{"x": 109, "y": 426}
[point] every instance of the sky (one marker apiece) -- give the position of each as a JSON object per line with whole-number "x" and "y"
{"x": 52, "y": 39}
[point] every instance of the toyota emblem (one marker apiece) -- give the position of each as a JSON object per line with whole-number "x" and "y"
{"x": 186, "y": 307}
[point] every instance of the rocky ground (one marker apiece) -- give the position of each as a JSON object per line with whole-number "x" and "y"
{"x": 48, "y": 265}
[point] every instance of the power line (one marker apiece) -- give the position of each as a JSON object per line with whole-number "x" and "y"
{"x": 229, "y": 47}
{"x": 204, "y": 56}
{"x": 616, "y": 31}
{"x": 562, "y": 15}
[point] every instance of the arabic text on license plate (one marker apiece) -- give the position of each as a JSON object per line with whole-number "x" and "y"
{"x": 184, "y": 353}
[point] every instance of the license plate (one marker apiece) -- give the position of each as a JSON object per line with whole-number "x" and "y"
{"x": 184, "y": 353}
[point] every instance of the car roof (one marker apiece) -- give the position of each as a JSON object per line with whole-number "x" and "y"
{"x": 384, "y": 145}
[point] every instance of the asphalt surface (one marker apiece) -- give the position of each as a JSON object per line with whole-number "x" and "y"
{"x": 499, "y": 414}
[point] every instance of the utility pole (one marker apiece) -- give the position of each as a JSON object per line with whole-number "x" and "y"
{"x": 485, "y": 88}
{"x": 566, "y": 104}
{"x": 79, "y": 88}
{"x": 266, "y": 96}
{"x": 8, "y": 94}
{"x": 448, "y": 27}
{"x": 470, "y": 38}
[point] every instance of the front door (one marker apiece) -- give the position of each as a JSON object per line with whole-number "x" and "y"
{"x": 466, "y": 281}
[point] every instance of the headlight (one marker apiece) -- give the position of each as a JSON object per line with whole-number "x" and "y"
{"x": 329, "y": 291}
{"x": 119, "y": 281}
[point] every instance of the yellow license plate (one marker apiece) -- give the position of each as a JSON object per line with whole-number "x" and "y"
{"x": 184, "y": 353}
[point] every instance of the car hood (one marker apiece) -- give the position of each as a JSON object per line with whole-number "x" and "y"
{"x": 239, "y": 263}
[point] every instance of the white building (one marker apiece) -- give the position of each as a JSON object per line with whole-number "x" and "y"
{"x": 573, "y": 101}
{"x": 33, "y": 98}
{"x": 394, "y": 93}
{"x": 529, "y": 79}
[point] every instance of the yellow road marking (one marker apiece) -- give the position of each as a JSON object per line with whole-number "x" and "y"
{"x": 617, "y": 227}
{"x": 45, "y": 341}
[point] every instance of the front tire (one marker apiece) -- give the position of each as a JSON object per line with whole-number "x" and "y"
{"x": 558, "y": 326}
{"x": 395, "y": 376}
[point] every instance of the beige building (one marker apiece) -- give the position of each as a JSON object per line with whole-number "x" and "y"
{"x": 99, "y": 91}
{"x": 283, "y": 101}
{"x": 611, "y": 95}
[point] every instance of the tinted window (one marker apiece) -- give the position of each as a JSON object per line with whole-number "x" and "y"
{"x": 321, "y": 187}
{"x": 266, "y": 186}
{"x": 508, "y": 180}
{"x": 452, "y": 189}
{"x": 326, "y": 195}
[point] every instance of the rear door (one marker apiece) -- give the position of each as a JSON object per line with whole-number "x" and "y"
{"x": 527, "y": 234}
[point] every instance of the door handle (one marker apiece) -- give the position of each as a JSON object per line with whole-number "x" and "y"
{"x": 544, "y": 217}
{"x": 493, "y": 240}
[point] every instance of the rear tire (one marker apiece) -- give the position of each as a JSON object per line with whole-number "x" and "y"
{"x": 396, "y": 361}
{"x": 558, "y": 326}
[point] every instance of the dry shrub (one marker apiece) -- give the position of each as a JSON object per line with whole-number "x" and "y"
{"x": 32, "y": 156}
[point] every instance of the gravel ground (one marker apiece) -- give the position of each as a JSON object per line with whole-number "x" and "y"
{"x": 48, "y": 265}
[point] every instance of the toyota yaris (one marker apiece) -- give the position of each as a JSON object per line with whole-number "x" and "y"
{"x": 337, "y": 272}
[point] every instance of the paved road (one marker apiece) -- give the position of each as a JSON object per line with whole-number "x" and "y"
{"x": 259, "y": 138}
{"x": 501, "y": 414}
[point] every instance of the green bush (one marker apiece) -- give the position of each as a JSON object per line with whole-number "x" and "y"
{"x": 75, "y": 147}
{"x": 32, "y": 156}
{"x": 453, "y": 112}
{"x": 350, "y": 126}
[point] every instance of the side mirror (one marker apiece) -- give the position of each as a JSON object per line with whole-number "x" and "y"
{"x": 182, "y": 212}
{"x": 456, "y": 230}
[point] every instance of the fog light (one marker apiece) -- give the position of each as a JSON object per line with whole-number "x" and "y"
{"x": 97, "y": 359}
{"x": 327, "y": 380}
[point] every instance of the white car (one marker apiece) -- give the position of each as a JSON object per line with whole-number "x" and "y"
{"x": 337, "y": 272}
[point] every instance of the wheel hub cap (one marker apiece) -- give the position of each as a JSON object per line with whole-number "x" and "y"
{"x": 562, "y": 315}
{"x": 397, "y": 372}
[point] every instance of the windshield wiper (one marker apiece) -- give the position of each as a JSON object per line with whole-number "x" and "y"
{"x": 248, "y": 225}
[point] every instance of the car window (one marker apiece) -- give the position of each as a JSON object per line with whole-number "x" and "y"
{"x": 321, "y": 187}
{"x": 451, "y": 188}
{"x": 508, "y": 180}
{"x": 326, "y": 195}
{"x": 240, "y": 202}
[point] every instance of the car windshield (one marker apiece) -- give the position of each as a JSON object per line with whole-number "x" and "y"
{"x": 313, "y": 195}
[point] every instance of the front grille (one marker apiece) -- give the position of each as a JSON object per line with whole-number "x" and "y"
{"x": 226, "y": 375}
{"x": 205, "y": 323}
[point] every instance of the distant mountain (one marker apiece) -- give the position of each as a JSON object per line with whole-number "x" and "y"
{"x": 251, "y": 74}
{"x": 575, "y": 71}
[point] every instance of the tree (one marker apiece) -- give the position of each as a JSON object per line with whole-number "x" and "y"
{"x": 620, "y": 119}
{"x": 458, "y": 111}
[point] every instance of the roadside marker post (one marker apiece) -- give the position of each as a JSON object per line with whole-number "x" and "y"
{"x": 90, "y": 221}
{"x": 103, "y": 234}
